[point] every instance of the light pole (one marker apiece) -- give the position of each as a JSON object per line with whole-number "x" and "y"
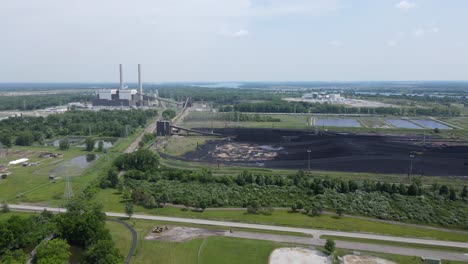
{"x": 410, "y": 171}
{"x": 308, "y": 158}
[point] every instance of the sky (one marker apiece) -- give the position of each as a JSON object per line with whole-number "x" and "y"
{"x": 233, "y": 40}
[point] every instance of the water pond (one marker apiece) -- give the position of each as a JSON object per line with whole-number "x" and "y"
{"x": 337, "y": 122}
{"x": 400, "y": 123}
{"x": 431, "y": 124}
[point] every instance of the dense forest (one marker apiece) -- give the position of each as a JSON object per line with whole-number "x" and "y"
{"x": 219, "y": 95}
{"x": 280, "y": 106}
{"x": 24, "y": 131}
{"x": 83, "y": 226}
{"x": 444, "y": 100}
{"x": 33, "y": 102}
{"x": 148, "y": 184}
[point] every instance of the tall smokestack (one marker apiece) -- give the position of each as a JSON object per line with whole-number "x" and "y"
{"x": 121, "y": 77}
{"x": 140, "y": 84}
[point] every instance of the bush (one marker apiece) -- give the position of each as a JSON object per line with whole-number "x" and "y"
{"x": 64, "y": 144}
{"x": 89, "y": 142}
{"x": 329, "y": 246}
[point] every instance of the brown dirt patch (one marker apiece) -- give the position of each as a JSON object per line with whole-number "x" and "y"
{"x": 181, "y": 234}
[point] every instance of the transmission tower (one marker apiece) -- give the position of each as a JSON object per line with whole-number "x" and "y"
{"x": 68, "y": 189}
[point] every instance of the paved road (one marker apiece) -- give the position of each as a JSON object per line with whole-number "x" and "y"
{"x": 345, "y": 215}
{"x": 351, "y": 245}
{"x": 134, "y": 239}
{"x": 316, "y": 233}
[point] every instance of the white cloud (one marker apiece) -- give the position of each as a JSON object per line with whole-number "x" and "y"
{"x": 235, "y": 34}
{"x": 336, "y": 43}
{"x": 392, "y": 43}
{"x": 425, "y": 31}
{"x": 405, "y": 5}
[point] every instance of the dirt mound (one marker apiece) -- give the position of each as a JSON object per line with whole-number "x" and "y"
{"x": 180, "y": 234}
{"x": 298, "y": 256}
{"x": 353, "y": 259}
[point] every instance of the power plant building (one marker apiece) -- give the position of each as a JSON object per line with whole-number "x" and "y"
{"x": 122, "y": 96}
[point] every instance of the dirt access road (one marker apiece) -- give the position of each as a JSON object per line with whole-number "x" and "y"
{"x": 315, "y": 240}
{"x": 149, "y": 129}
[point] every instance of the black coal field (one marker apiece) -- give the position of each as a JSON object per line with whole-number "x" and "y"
{"x": 296, "y": 149}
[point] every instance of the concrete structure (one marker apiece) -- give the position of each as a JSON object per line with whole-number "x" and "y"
{"x": 18, "y": 161}
{"x": 122, "y": 96}
{"x": 163, "y": 128}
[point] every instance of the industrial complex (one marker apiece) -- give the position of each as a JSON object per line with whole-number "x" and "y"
{"x": 123, "y": 96}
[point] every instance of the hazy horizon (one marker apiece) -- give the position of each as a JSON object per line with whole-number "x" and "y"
{"x": 225, "y": 41}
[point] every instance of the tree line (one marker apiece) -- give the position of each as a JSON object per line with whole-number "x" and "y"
{"x": 281, "y": 106}
{"x": 24, "y": 131}
{"x": 83, "y": 225}
{"x": 33, "y": 102}
{"x": 149, "y": 184}
{"x": 217, "y": 95}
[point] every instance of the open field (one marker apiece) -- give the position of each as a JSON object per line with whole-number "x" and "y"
{"x": 121, "y": 236}
{"x": 32, "y": 185}
{"x": 179, "y": 145}
{"x": 214, "y": 250}
{"x": 398, "y": 244}
{"x": 112, "y": 202}
{"x": 218, "y": 249}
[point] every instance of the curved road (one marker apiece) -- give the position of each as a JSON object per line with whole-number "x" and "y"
{"x": 316, "y": 233}
{"x": 134, "y": 238}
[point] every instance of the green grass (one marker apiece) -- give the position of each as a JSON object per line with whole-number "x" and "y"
{"x": 32, "y": 185}
{"x": 236, "y": 250}
{"x": 112, "y": 202}
{"x": 219, "y": 249}
{"x": 160, "y": 252}
{"x": 179, "y": 145}
{"x": 204, "y": 119}
{"x": 215, "y": 249}
{"x": 33, "y": 180}
{"x": 397, "y": 244}
{"x": 400, "y": 259}
{"x": 121, "y": 236}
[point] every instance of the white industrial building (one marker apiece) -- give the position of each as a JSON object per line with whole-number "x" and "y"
{"x": 122, "y": 96}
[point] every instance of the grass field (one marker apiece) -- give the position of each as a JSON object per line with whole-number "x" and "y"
{"x": 215, "y": 249}
{"x": 112, "y": 202}
{"x": 32, "y": 184}
{"x": 206, "y": 119}
{"x": 397, "y": 244}
{"x": 179, "y": 145}
{"x": 236, "y": 250}
{"x": 121, "y": 236}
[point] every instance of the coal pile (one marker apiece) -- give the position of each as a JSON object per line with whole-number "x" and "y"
{"x": 334, "y": 152}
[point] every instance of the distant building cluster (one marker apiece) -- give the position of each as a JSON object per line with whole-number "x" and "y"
{"x": 323, "y": 97}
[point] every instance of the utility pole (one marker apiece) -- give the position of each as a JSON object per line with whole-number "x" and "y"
{"x": 410, "y": 171}
{"x": 68, "y": 189}
{"x": 308, "y": 159}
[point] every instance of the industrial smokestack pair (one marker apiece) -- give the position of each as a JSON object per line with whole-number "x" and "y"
{"x": 140, "y": 84}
